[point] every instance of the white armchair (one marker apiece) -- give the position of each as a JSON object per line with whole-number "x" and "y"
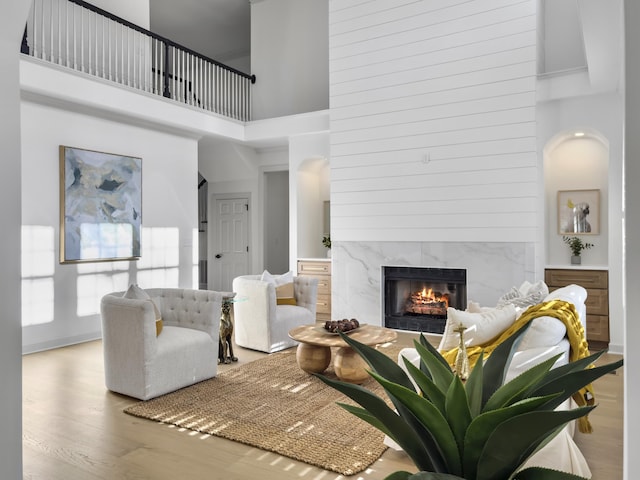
{"x": 260, "y": 323}
{"x": 140, "y": 363}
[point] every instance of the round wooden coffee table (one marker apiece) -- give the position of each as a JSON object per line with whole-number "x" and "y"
{"x": 314, "y": 350}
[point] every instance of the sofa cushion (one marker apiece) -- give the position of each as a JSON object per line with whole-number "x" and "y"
{"x": 573, "y": 294}
{"x": 543, "y": 332}
{"x": 481, "y": 326}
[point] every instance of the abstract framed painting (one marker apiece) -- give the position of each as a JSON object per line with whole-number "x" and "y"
{"x": 579, "y": 212}
{"x": 100, "y": 206}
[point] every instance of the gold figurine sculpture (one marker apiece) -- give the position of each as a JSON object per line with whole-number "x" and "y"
{"x": 462, "y": 359}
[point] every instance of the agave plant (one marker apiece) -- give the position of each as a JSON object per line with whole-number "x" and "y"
{"x": 483, "y": 429}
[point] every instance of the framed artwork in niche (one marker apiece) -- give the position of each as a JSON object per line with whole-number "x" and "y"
{"x": 579, "y": 212}
{"x": 100, "y": 206}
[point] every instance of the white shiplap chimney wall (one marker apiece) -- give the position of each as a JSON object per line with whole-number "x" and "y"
{"x": 433, "y": 133}
{"x": 433, "y": 145}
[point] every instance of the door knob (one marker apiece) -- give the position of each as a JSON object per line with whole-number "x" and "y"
{"x": 219, "y": 255}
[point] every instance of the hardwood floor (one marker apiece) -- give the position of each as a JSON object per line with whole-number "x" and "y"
{"x": 74, "y": 429}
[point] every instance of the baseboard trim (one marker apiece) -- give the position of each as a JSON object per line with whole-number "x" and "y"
{"x": 60, "y": 342}
{"x": 617, "y": 349}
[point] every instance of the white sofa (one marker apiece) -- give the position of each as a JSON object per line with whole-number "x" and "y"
{"x": 260, "y": 323}
{"x": 545, "y": 338}
{"x": 140, "y": 363}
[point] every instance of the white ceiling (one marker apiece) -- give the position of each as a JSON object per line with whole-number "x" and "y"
{"x": 219, "y": 29}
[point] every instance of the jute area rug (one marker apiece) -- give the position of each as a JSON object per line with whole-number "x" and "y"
{"x": 273, "y": 405}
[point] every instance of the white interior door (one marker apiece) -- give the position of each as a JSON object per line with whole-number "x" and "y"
{"x": 230, "y": 248}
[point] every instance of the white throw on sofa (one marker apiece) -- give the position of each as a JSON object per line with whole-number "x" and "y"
{"x": 140, "y": 363}
{"x": 545, "y": 338}
{"x": 260, "y": 323}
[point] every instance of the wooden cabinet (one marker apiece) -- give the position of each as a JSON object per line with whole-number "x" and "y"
{"x": 596, "y": 282}
{"x": 320, "y": 269}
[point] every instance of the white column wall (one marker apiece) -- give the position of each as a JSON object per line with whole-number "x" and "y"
{"x": 632, "y": 240}
{"x": 12, "y": 21}
{"x": 433, "y": 128}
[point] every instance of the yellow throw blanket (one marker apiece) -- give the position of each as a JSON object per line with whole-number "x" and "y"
{"x": 567, "y": 314}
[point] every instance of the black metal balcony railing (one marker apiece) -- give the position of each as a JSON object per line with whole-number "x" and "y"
{"x": 81, "y": 36}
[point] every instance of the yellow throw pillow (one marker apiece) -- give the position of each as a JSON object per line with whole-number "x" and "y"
{"x": 285, "y": 295}
{"x": 286, "y": 301}
{"x": 159, "y": 326}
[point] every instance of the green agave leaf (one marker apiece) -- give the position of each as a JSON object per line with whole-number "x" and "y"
{"x": 398, "y": 476}
{"x": 577, "y": 365}
{"x": 441, "y": 374}
{"x": 422, "y": 476}
{"x": 539, "y": 473}
{"x": 515, "y": 439}
{"x": 435, "y": 423}
{"x": 379, "y": 362}
{"x": 395, "y": 426}
{"x": 474, "y": 387}
{"x": 367, "y": 417}
{"x": 484, "y": 424}
{"x": 426, "y": 386}
{"x": 434, "y": 476}
{"x": 495, "y": 367}
{"x": 457, "y": 412}
{"x": 426, "y": 344}
{"x": 515, "y": 389}
{"x": 570, "y": 383}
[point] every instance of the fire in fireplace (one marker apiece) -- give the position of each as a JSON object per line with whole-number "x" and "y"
{"x": 417, "y": 298}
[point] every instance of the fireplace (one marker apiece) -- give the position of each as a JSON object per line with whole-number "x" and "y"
{"x": 416, "y": 298}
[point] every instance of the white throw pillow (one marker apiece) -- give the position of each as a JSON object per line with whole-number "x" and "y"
{"x": 481, "y": 326}
{"x": 277, "y": 280}
{"x": 137, "y": 293}
{"x": 544, "y": 332}
{"x": 526, "y": 295}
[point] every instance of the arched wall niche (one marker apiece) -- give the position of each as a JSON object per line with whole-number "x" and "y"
{"x": 313, "y": 192}
{"x": 577, "y": 159}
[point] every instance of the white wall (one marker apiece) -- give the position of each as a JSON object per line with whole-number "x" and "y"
{"x": 231, "y": 168}
{"x": 433, "y": 131}
{"x": 308, "y": 156}
{"x": 289, "y": 57}
{"x": 632, "y": 231}
{"x": 62, "y": 301}
{"x": 136, "y": 11}
{"x": 276, "y": 221}
{"x": 601, "y": 116}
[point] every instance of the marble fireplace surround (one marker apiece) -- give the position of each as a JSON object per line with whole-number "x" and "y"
{"x": 492, "y": 269}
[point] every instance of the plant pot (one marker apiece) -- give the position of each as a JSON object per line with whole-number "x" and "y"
{"x": 328, "y": 253}
{"x": 576, "y": 259}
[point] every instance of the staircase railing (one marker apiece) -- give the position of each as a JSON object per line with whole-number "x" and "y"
{"x": 81, "y": 36}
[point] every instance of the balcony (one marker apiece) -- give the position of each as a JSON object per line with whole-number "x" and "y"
{"x": 77, "y": 35}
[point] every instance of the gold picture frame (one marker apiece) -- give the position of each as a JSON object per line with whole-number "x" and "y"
{"x": 100, "y": 206}
{"x": 578, "y": 212}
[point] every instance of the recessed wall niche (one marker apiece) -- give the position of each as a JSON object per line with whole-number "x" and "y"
{"x": 312, "y": 202}
{"x": 576, "y": 160}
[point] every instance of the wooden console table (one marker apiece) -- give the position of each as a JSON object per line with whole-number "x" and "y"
{"x": 596, "y": 282}
{"x": 320, "y": 269}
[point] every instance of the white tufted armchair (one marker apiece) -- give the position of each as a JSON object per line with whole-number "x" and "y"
{"x": 260, "y": 323}
{"x": 141, "y": 364}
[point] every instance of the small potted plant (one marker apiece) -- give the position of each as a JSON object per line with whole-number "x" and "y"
{"x": 326, "y": 242}
{"x": 576, "y": 245}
